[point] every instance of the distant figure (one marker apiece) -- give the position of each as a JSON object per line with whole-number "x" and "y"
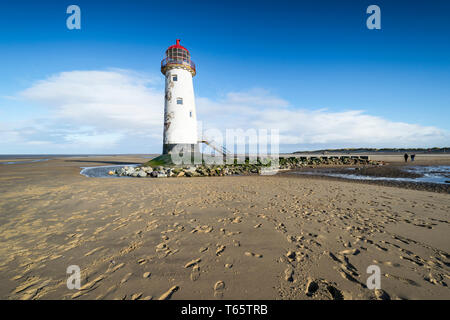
{"x": 406, "y": 157}
{"x": 412, "y": 157}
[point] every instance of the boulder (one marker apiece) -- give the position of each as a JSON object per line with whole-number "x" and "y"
{"x": 142, "y": 174}
{"x": 129, "y": 171}
{"x": 190, "y": 169}
{"x": 181, "y": 174}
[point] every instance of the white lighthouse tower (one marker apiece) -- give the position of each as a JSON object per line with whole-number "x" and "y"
{"x": 180, "y": 120}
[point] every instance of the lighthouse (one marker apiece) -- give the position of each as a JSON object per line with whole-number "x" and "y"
{"x": 180, "y": 120}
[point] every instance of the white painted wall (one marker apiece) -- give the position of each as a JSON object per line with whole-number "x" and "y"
{"x": 182, "y": 127}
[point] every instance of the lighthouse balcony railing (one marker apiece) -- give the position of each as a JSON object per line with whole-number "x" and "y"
{"x": 187, "y": 62}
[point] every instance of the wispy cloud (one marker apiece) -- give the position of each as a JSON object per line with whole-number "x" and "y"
{"x": 122, "y": 111}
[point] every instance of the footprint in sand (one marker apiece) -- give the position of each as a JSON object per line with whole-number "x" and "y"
{"x": 289, "y": 274}
{"x": 381, "y": 295}
{"x": 115, "y": 268}
{"x": 350, "y": 252}
{"x": 219, "y": 250}
{"x": 195, "y": 273}
{"x": 218, "y": 289}
{"x": 336, "y": 294}
{"x": 168, "y": 294}
{"x": 136, "y": 296}
{"x": 88, "y": 287}
{"x": 125, "y": 279}
{"x": 255, "y": 255}
{"x": 311, "y": 287}
{"x": 192, "y": 262}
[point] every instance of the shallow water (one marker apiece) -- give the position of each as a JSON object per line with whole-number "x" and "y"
{"x": 102, "y": 171}
{"x": 429, "y": 174}
{"x": 24, "y": 161}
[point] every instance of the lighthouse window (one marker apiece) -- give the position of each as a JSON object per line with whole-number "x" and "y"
{"x": 174, "y": 77}
{"x": 179, "y": 100}
{"x": 190, "y": 114}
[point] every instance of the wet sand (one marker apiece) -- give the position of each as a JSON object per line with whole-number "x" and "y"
{"x": 391, "y": 170}
{"x": 251, "y": 237}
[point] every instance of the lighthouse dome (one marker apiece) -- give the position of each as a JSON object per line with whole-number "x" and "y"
{"x": 177, "y": 56}
{"x": 177, "y": 46}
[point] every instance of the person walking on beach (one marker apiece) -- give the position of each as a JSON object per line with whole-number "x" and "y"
{"x": 406, "y": 157}
{"x": 412, "y": 157}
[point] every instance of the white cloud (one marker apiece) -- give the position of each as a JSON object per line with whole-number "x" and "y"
{"x": 316, "y": 128}
{"x": 121, "y": 111}
{"x": 95, "y": 112}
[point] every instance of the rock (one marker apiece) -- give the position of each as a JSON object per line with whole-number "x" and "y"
{"x": 111, "y": 173}
{"x": 190, "y": 169}
{"x": 161, "y": 175}
{"x": 142, "y": 174}
{"x": 181, "y": 174}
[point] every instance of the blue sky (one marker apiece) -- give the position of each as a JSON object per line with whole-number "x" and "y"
{"x": 330, "y": 81}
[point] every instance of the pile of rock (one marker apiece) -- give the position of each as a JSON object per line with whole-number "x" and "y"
{"x": 245, "y": 168}
{"x": 188, "y": 171}
{"x": 299, "y": 162}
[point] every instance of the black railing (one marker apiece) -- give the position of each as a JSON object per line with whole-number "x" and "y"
{"x": 186, "y": 62}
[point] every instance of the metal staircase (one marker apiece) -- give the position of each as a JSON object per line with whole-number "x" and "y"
{"x": 212, "y": 144}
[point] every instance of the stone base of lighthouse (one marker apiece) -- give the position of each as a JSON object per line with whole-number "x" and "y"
{"x": 181, "y": 148}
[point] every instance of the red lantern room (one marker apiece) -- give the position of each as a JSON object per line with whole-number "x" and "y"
{"x": 177, "y": 56}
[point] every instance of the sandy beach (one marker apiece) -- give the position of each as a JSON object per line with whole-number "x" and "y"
{"x": 236, "y": 237}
